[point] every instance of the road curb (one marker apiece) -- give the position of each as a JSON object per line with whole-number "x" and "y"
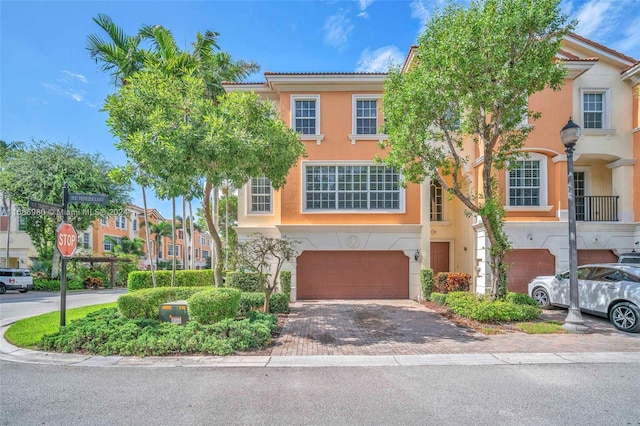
{"x": 11, "y": 353}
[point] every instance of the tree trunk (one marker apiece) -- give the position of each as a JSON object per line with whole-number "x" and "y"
{"x": 215, "y": 237}
{"x": 192, "y": 237}
{"x": 499, "y": 246}
{"x": 55, "y": 266}
{"x": 185, "y": 245}
{"x": 8, "y": 234}
{"x": 148, "y": 236}
{"x": 173, "y": 240}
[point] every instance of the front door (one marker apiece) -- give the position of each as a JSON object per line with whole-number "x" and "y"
{"x": 440, "y": 257}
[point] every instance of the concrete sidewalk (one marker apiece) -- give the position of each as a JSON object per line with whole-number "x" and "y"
{"x": 348, "y": 334}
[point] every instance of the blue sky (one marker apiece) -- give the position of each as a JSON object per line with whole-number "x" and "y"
{"x": 52, "y": 90}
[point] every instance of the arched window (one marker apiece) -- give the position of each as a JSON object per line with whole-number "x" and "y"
{"x": 436, "y": 201}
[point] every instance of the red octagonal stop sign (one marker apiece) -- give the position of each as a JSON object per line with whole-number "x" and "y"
{"x": 66, "y": 239}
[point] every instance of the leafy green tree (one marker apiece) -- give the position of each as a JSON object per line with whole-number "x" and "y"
{"x": 266, "y": 256}
{"x": 39, "y": 171}
{"x": 475, "y": 64}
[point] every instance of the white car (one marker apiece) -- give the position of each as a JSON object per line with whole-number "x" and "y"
{"x": 15, "y": 279}
{"x": 610, "y": 290}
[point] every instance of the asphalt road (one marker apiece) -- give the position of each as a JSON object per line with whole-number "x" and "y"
{"x": 584, "y": 394}
{"x": 14, "y": 305}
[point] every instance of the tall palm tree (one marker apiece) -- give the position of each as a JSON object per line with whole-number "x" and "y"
{"x": 7, "y": 150}
{"x": 122, "y": 56}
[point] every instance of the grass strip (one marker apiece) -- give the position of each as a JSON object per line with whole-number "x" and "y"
{"x": 27, "y": 332}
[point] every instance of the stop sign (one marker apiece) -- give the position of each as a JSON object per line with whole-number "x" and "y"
{"x": 66, "y": 239}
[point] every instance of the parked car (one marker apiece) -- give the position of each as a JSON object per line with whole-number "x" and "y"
{"x": 610, "y": 290}
{"x": 15, "y": 279}
{"x": 632, "y": 257}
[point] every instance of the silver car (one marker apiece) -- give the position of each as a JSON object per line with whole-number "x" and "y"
{"x": 610, "y": 290}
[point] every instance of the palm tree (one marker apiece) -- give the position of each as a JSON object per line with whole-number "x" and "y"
{"x": 122, "y": 57}
{"x": 7, "y": 150}
{"x": 159, "y": 230}
{"x": 124, "y": 245}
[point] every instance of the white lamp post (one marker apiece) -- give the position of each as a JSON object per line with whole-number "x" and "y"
{"x": 574, "y": 322}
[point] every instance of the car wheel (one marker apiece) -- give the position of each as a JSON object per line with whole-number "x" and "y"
{"x": 542, "y": 297}
{"x": 626, "y": 317}
{"x": 23, "y": 290}
{"x": 3, "y": 290}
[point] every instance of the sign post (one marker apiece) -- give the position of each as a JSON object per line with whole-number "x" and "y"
{"x": 66, "y": 242}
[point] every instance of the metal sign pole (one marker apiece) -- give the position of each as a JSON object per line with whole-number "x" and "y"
{"x": 63, "y": 273}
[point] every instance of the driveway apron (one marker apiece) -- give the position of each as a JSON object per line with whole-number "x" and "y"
{"x": 405, "y": 327}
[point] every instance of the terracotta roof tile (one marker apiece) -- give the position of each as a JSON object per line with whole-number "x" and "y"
{"x": 600, "y": 46}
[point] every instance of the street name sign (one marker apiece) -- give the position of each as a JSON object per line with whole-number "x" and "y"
{"x": 88, "y": 198}
{"x": 45, "y": 207}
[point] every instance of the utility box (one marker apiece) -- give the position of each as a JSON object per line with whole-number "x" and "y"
{"x": 174, "y": 312}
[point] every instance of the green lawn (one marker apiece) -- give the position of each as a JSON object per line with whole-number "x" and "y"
{"x": 27, "y": 333}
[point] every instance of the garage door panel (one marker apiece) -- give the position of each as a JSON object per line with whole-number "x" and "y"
{"x": 586, "y": 257}
{"x": 352, "y": 275}
{"x": 526, "y": 264}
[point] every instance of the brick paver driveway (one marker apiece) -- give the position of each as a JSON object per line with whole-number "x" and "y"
{"x": 404, "y": 327}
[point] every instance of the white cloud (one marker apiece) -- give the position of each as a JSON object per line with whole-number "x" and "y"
{"x": 76, "y": 95}
{"x": 363, "y": 5}
{"x": 592, "y": 17}
{"x": 380, "y": 59}
{"x": 74, "y": 76}
{"x": 419, "y": 11}
{"x": 337, "y": 29}
{"x": 628, "y": 43}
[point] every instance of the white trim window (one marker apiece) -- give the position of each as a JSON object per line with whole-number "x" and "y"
{"x": 170, "y": 250}
{"x": 103, "y": 221}
{"x": 365, "y": 114}
{"x": 108, "y": 244}
{"x": 86, "y": 240}
{"x": 305, "y": 114}
{"x": 452, "y": 116}
{"x": 437, "y": 212}
{"x": 527, "y": 182}
{"x": 22, "y": 223}
{"x": 203, "y": 240}
{"x": 260, "y": 195}
{"x": 352, "y": 188}
{"x": 595, "y": 104}
{"x": 134, "y": 224}
{"x": 121, "y": 222}
{"x": 205, "y": 254}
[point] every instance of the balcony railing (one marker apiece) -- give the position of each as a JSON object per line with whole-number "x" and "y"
{"x": 597, "y": 208}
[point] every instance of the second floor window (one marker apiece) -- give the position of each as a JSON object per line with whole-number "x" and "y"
{"x": 593, "y": 109}
{"x": 260, "y": 195}
{"x": 86, "y": 240}
{"x": 366, "y": 117}
{"x": 352, "y": 187}
{"x": 205, "y": 254}
{"x": 121, "y": 222}
{"x": 134, "y": 224}
{"x": 170, "y": 250}
{"x": 525, "y": 183}
{"x": 22, "y": 223}
{"x": 436, "y": 201}
{"x": 203, "y": 241}
{"x": 305, "y": 115}
{"x": 103, "y": 221}
{"x": 109, "y": 243}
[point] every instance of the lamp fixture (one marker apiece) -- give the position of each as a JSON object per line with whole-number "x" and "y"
{"x": 416, "y": 256}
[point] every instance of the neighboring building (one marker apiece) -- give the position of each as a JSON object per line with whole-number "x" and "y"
{"x": 364, "y": 236}
{"x": 21, "y": 250}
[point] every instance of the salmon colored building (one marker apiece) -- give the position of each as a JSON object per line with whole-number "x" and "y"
{"x": 362, "y": 235}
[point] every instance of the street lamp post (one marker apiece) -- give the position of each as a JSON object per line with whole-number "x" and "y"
{"x": 574, "y": 322}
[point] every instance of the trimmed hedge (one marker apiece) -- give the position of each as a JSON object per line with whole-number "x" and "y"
{"x": 190, "y": 278}
{"x": 243, "y": 281}
{"x": 285, "y": 282}
{"x": 214, "y": 305}
{"x": 49, "y": 284}
{"x": 482, "y": 309}
{"x": 438, "y": 298}
{"x": 521, "y": 299}
{"x": 447, "y": 282}
{"x": 426, "y": 282}
{"x": 145, "y": 303}
{"x": 278, "y": 303}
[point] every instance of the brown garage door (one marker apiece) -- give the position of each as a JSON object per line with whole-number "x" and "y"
{"x": 352, "y": 275}
{"x": 526, "y": 264}
{"x": 596, "y": 256}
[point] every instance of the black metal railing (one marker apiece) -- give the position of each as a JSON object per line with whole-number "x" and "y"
{"x": 597, "y": 208}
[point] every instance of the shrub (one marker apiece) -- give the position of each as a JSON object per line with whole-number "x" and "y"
{"x": 438, "y": 298}
{"x": 107, "y": 332}
{"x": 285, "y": 282}
{"x": 190, "y": 278}
{"x": 50, "y": 284}
{"x": 145, "y": 303}
{"x": 214, "y": 304}
{"x": 521, "y": 299}
{"x": 446, "y": 282}
{"x": 250, "y": 301}
{"x": 482, "y": 309}
{"x": 243, "y": 281}
{"x": 124, "y": 268}
{"x": 279, "y": 303}
{"x": 426, "y": 282}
